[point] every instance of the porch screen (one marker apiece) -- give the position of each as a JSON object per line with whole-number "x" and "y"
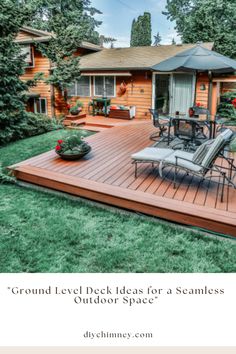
{"x": 104, "y": 86}
{"x": 80, "y": 88}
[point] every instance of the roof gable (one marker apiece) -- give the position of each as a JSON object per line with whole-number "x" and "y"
{"x": 28, "y": 35}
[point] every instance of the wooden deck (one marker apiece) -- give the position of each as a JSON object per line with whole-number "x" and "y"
{"x": 106, "y": 175}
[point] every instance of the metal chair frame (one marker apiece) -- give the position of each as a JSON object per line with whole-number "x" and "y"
{"x": 163, "y": 127}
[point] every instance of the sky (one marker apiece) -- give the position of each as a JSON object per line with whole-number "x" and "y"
{"x": 118, "y": 15}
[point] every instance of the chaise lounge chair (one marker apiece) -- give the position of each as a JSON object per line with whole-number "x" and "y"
{"x": 199, "y": 163}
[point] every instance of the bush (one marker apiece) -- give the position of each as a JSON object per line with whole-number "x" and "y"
{"x": 33, "y": 124}
{"x": 226, "y": 108}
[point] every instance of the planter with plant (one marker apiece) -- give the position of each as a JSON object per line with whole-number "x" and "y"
{"x": 72, "y": 148}
{"x": 76, "y": 108}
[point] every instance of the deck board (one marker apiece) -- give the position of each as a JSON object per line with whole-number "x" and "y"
{"x": 107, "y": 175}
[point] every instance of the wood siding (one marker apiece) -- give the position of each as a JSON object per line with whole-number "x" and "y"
{"x": 41, "y": 64}
{"x": 138, "y": 94}
{"x": 202, "y": 96}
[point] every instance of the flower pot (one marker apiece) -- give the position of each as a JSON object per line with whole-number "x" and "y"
{"x": 191, "y": 112}
{"x": 76, "y": 155}
{"x": 75, "y": 112}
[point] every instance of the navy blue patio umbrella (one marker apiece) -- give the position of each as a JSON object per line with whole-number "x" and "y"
{"x": 198, "y": 59}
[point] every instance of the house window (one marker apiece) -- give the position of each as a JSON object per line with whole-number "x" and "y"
{"x": 40, "y": 105}
{"x": 104, "y": 86}
{"x": 80, "y": 87}
{"x": 27, "y": 50}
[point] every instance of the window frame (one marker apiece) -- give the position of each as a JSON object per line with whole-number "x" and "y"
{"x": 75, "y": 83}
{"x": 31, "y": 64}
{"x": 94, "y": 85}
{"x": 40, "y": 107}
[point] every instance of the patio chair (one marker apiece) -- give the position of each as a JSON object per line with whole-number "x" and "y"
{"x": 163, "y": 125}
{"x": 199, "y": 163}
{"x": 200, "y": 129}
{"x": 185, "y": 131}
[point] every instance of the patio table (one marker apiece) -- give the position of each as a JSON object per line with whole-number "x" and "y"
{"x": 210, "y": 123}
{"x": 104, "y": 100}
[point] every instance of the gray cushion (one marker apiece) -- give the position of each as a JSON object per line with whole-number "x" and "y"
{"x": 182, "y": 163}
{"x": 201, "y": 152}
{"x": 213, "y": 151}
{"x": 152, "y": 154}
{"x": 226, "y": 134}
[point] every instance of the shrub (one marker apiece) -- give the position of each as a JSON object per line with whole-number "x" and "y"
{"x": 226, "y": 108}
{"x": 33, "y": 124}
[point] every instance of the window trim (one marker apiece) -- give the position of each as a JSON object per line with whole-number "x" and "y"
{"x": 76, "y": 90}
{"x": 31, "y": 64}
{"x": 46, "y": 105}
{"x": 94, "y": 84}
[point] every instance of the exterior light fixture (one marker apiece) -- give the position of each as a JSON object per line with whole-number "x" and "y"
{"x": 202, "y": 87}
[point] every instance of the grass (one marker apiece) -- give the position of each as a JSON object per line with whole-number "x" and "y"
{"x": 41, "y": 232}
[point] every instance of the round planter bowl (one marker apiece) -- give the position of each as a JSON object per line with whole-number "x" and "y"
{"x": 76, "y": 156}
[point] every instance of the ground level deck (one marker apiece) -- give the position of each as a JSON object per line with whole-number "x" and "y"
{"x": 107, "y": 175}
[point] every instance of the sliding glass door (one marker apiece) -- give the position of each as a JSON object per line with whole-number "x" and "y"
{"x": 173, "y": 92}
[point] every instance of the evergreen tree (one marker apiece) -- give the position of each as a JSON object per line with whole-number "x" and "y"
{"x": 141, "y": 31}
{"x": 49, "y": 15}
{"x": 70, "y": 22}
{"x": 157, "y": 40}
{"x": 133, "y": 34}
{"x": 206, "y": 21}
{"x": 173, "y": 42}
{"x": 12, "y": 89}
{"x": 105, "y": 40}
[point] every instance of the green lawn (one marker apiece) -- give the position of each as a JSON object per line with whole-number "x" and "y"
{"x": 40, "y": 232}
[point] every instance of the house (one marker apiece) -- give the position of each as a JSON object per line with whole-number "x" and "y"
{"x": 104, "y": 72}
{"x": 42, "y": 97}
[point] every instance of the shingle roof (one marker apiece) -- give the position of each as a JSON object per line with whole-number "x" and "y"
{"x": 132, "y": 58}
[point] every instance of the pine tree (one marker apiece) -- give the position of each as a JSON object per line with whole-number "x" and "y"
{"x": 141, "y": 31}
{"x": 157, "y": 40}
{"x": 12, "y": 89}
{"x": 133, "y": 34}
{"x": 206, "y": 21}
{"x": 173, "y": 42}
{"x": 50, "y": 15}
{"x": 71, "y": 22}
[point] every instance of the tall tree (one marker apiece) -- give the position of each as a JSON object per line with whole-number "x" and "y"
{"x": 205, "y": 20}
{"x": 49, "y": 15}
{"x": 141, "y": 31}
{"x": 70, "y": 22}
{"x": 12, "y": 98}
{"x": 157, "y": 40}
{"x": 106, "y": 40}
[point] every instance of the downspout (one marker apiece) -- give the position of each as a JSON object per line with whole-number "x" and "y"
{"x": 52, "y": 93}
{"x": 195, "y": 90}
{"x": 210, "y": 92}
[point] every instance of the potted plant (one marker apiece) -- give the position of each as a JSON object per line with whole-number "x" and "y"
{"x": 72, "y": 148}
{"x": 76, "y": 108}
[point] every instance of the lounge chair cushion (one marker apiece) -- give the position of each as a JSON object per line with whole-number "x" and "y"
{"x": 217, "y": 145}
{"x": 182, "y": 163}
{"x": 201, "y": 152}
{"x": 226, "y": 134}
{"x": 152, "y": 154}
